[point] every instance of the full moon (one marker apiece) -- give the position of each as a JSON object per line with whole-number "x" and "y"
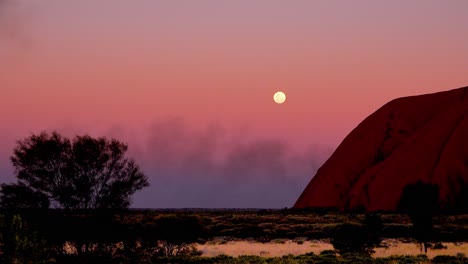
{"x": 279, "y": 97}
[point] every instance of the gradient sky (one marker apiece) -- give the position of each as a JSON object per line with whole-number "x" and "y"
{"x": 189, "y": 84}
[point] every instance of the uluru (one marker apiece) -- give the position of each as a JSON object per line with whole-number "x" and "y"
{"x": 412, "y": 139}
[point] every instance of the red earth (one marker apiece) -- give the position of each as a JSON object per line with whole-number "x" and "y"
{"x": 417, "y": 138}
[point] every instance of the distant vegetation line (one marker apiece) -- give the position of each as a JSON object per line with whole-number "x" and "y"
{"x": 261, "y": 225}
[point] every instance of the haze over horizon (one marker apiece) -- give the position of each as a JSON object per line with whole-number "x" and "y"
{"x": 189, "y": 85}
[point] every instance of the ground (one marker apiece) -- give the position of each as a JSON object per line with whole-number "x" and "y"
{"x": 285, "y": 247}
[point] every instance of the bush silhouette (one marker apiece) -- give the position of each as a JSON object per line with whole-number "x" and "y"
{"x": 172, "y": 235}
{"x": 353, "y": 238}
{"x": 19, "y": 243}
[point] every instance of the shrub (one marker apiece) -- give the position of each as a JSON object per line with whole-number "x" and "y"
{"x": 171, "y": 235}
{"x": 449, "y": 260}
{"x": 439, "y": 245}
{"x": 19, "y": 243}
{"x": 356, "y": 258}
{"x": 353, "y": 238}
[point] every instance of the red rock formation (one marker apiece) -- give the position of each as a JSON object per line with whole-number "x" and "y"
{"x": 418, "y": 138}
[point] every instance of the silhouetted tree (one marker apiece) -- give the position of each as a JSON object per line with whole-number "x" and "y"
{"x": 84, "y": 172}
{"x": 374, "y": 228}
{"x": 419, "y": 201}
{"x": 459, "y": 188}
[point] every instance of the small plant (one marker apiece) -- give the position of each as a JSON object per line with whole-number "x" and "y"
{"x": 438, "y": 245}
{"x": 443, "y": 259}
{"x": 279, "y": 241}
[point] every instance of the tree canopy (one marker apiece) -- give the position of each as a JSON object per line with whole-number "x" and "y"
{"x": 81, "y": 173}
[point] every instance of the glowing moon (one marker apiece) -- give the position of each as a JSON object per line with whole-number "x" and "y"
{"x": 279, "y": 97}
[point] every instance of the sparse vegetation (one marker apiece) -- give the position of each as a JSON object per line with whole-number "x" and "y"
{"x": 20, "y": 243}
{"x": 152, "y": 236}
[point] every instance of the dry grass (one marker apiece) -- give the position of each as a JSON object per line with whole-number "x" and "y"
{"x": 273, "y": 249}
{"x": 399, "y": 248}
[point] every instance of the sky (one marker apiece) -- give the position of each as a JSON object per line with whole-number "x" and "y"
{"x": 189, "y": 85}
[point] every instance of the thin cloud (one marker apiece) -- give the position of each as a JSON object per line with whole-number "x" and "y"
{"x": 211, "y": 168}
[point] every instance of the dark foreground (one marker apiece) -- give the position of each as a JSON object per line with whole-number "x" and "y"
{"x": 166, "y": 236}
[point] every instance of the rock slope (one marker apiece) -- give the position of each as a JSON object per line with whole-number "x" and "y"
{"x": 418, "y": 138}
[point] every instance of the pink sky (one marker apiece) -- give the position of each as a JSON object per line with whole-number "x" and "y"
{"x": 119, "y": 68}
